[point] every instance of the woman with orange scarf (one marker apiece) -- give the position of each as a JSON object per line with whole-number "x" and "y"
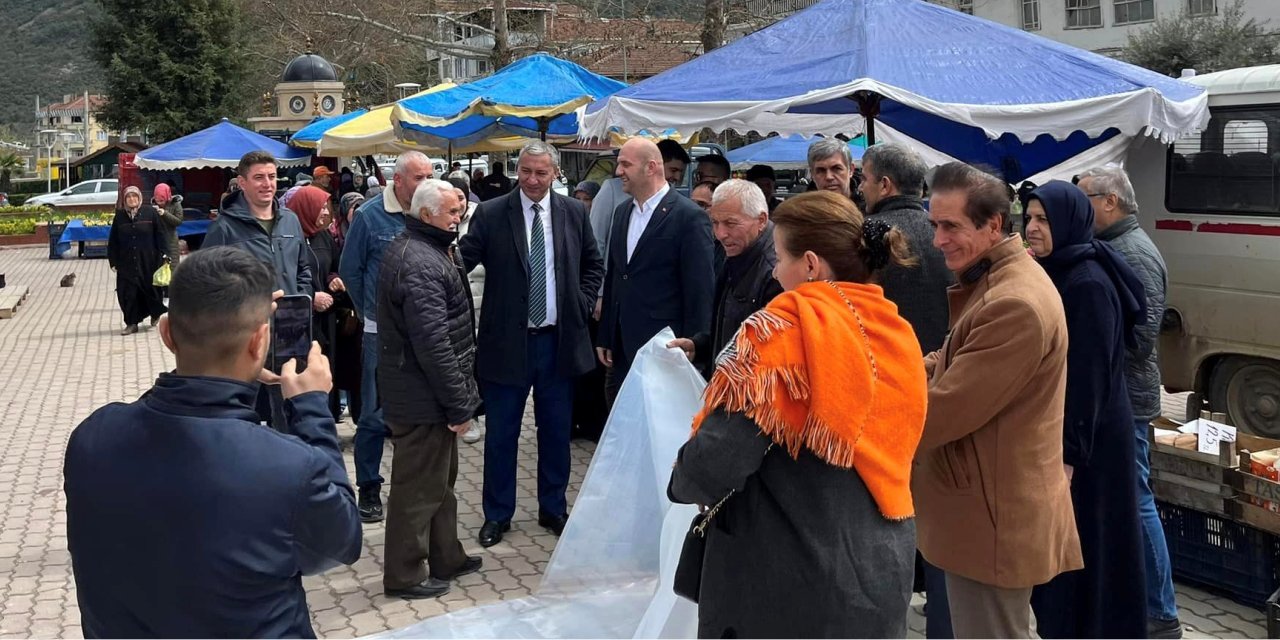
{"x": 805, "y": 442}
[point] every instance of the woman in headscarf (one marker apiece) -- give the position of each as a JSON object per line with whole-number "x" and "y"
{"x": 346, "y": 214}
{"x": 346, "y": 181}
{"x": 1104, "y": 301}
{"x": 805, "y": 442}
{"x": 135, "y": 250}
{"x": 169, "y": 208}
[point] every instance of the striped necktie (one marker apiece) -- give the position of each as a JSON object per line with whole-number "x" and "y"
{"x": 537, "y": 270}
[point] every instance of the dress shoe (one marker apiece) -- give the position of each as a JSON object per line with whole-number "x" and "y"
{"x": 471, "y": 565}
{"x": 554, "y": 524}
{"x": 429, "y": 588}
{"x": 491, "y": 532}
{"x": 370, "y": 504}
{"x": 1162, "y": 629}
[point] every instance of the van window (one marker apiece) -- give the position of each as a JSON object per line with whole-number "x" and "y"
{"x": 1230, "y": 168}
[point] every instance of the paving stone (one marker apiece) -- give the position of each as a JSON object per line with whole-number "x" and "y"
{"x": 1239, "y": 627}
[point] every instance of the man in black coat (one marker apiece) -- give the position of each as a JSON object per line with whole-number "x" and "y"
{"x": 185, "y": 517}
{"x": 542, "y": 273}
{"x": 660, "y": 271}
{"x": 426, "y": 343}
{"x": 744, "y": 282}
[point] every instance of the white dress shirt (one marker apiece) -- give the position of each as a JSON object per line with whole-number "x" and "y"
{"x": 641, "y": 214}
{"x": 549, "y": 251}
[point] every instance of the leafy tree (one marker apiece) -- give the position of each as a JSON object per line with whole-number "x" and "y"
{"x": 1206, "y": 44}
{"x": 171, "y": 66}
{"x": 10, "y": 163}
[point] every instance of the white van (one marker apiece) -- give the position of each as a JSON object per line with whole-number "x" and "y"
{"x": 1211, "y": 203}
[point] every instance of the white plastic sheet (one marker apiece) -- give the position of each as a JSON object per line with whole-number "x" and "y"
{"x": 611, "y": 573}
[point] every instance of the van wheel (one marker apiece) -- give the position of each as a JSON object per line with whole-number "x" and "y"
{"x": 1248, "y": 391}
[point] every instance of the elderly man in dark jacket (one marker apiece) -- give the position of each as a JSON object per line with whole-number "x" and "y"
{"x": 1116, "y": 222}
{"x": 426, "y": 379}
{"x": 744, "y": 282}
{"x": 185, "y": 517}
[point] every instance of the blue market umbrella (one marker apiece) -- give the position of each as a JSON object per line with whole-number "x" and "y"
{"x": 970, "y": 88}
{"x": 309, "y": 136}
{"x": 538, "y": 88}
{"x": 784, "y": 152}
{"x": 219, "y": 146}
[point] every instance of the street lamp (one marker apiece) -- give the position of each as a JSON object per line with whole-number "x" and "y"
{"x": 48, "y": 148}
{"x": 66, "y": 154}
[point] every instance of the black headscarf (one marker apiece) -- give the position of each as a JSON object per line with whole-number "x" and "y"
{"x": 1071, "y": 225}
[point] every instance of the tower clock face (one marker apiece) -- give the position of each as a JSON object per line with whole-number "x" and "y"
{"x": 328, "y": 103}
{"x": 297, "y": 104}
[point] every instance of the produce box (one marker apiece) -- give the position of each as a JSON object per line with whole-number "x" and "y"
{"x": 1184, "y": 476}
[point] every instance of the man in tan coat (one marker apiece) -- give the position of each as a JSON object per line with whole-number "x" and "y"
{"x": 991, "y": 491}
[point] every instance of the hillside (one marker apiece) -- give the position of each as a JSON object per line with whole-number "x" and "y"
{"x": 48, "y": 52}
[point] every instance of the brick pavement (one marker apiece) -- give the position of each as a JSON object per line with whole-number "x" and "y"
{"x": 62, "y": 358}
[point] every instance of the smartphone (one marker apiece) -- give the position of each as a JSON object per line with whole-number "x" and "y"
{"x": 290, "y": 332}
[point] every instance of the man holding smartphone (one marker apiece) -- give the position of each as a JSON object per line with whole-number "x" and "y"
{"x": 180, "y": 506}
{"x": 426, "y": 376}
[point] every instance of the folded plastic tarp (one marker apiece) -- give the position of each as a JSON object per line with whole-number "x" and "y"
{"x": 611, "y": 573}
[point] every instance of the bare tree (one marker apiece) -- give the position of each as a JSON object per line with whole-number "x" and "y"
{"x": 714, "y": 22}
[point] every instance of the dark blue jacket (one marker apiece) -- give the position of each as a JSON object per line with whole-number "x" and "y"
{"x": 186, "y": 518}
{"x": 285, "y": 249}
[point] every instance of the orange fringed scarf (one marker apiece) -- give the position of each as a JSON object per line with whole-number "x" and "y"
{"x": 850, "y": 387}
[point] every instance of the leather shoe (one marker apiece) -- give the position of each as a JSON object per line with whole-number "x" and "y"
{"x": 554, "y": 524}
{"x": 429, "y": 588}
{"x": 471, "y": 565}
{"x": 491, "y": 532}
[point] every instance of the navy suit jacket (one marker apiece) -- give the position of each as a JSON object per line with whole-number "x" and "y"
{"x": 497, "y": 238}
{"x": 186, "y": 518}
{"x": 669, "y": 282}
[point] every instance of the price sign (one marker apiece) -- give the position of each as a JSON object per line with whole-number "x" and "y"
{"x": 1211, "y": 433}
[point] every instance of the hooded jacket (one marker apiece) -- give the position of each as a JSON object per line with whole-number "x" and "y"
{"x": 284, "y": 249}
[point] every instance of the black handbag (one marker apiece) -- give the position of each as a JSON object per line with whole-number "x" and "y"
{"x": 688, "y": 578}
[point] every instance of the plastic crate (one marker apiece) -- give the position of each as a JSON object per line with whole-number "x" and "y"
{"x": 94, "y": 250}
{"x": 1221, "y": 554}
{"x": 1273, "y": 615}
{"x": 55, "y": 233}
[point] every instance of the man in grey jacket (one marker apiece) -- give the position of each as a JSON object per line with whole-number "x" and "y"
{"x": 1116, "y": 222}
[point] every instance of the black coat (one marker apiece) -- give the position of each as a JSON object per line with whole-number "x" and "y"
{"x": 497, "y": 239}
{"x": 426, "y": 338}
{"x": 800, "y": 550}
{"x": 669, "y": 282}
{"x": 136, "y": 246}
{"x": 744, "y": 285}
{"x": 920, "y": 291}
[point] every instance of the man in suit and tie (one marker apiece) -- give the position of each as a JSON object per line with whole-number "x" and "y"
{"x": 542, "y": 273}
{"x": 660, "y": 269}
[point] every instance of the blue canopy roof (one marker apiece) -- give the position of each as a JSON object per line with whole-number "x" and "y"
{"x": 309, "y": 136}
{"x": 784, "y": 152}
{"x": 475, "y": 130}
{"x": 221, "y": 145}
{"x": 539, "y": 86}
{"x": 970, "y": 88}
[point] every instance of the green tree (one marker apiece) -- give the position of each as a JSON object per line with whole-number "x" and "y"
{"x": 170, "y": 66}
{"x": 10, "y": 163}
{"x": 1207, "y": 44}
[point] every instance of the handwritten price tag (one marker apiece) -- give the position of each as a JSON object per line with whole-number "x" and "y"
{"x": 1211, "y": 433}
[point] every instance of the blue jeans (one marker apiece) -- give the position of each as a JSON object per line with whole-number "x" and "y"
{"x": 1161, "y": 603}
{"x": 371, "y": 429}
{"x": 553, "y": 414}
{"x": 937, "y": 613}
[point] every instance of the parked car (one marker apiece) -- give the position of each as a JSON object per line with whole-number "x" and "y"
{"x": 90, "y": 193}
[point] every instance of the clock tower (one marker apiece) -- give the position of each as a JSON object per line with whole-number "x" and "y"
{"x": 309, "y": 88}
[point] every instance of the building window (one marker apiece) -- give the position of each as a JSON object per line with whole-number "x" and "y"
{"x": 102, "y": 135}
{"x": 1202, "y": 7}
{"x": 964, "y": 6}
{"x": 1130, "y": 11}
{"x": 77, "y": 119}
{"x": 1084, "y": 14}
{"x": 1031, "y": 15}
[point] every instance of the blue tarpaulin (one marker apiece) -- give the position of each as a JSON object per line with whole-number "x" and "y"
{"x": 964, "y": 86}
{"x": 219, "y": 146}
{"x": 783, "y": 152}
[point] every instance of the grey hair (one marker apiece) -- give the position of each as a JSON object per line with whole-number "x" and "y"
{"x": 750, "y": 198}
{"x": 402, "y": 163}
{"x": 1110, "y": 179}
{"x": 429, "y": 194}
{"x": 540, "y": 148}
{"x": 899, "y": 164}
{"x": 459, "y": 175}
{"x": 827, "y": 147}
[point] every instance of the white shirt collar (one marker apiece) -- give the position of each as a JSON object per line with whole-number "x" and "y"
{"x": 652, "y": 203}
{"x": 545, "y": 202}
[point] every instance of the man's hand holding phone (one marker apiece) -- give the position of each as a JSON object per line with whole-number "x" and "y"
{"x": 315, "y": 377}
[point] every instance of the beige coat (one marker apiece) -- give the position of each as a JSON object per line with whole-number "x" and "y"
{"x": 992, "y": 499}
